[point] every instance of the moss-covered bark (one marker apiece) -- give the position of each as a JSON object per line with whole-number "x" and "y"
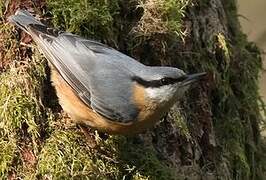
{"x": 212, "y": 134}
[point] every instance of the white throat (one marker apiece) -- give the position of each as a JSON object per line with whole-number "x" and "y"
{"x": 162, "y": 94}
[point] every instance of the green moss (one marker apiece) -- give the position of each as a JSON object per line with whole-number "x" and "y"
{"x": 66, "y": 155}
{"x": 223, "y": 45}
{"x": 7, "y": 153}
{"x": 236, "y": 109}
{"x": 89, "y": 18}
{"x": 2, "y": 3}
{"x": 145, "y": 160}
{"x": 137, "y": 176}
{"x": 8, "y": 44}
{"x": 21, "y": 111}
{"x": 173, "y": 12}
{"x": 161, "y": 17}
{"x": 19, "y": 102}
{"x": 180, "y": 123}
{"x": 19, "y": 98}
{"x": 261, "y": 169}
{"x": 238, "y": 113}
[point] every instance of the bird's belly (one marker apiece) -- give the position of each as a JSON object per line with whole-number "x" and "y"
{"x": 82, "y": 114}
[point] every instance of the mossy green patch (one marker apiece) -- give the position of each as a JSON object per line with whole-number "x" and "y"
{"x": 238, "y": 113}
{"x": 223, "y": 45}
{"x": 144, "y": 159}
{"x": 66, "y": 155}
{"x": 161, "y": 17}
{"x": 89, "y": 18}
{"x": 19, "y": 101}
{"x": 21, "y": 110}
{"x": 180, "y": 123}
{"x": 7, "y": 153}
{"x": 8, "y": 45}
{"x": 2, "y": 9}
{"x": 174, "y": 12}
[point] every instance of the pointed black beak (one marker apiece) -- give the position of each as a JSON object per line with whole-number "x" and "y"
{"x": 193, "y": 78}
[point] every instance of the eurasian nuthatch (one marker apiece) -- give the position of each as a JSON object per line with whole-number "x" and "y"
{"x": 101, "y": 87}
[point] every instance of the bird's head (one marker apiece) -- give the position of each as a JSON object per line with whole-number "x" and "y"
{"x": 165, "y": 85}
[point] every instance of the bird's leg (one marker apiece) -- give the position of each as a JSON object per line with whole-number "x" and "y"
{"x": 90, "y": 136}
{"x": 92, "y": 142}
{"x": 103, "y": 136}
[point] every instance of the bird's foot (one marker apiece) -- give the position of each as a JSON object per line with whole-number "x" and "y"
{"x": 93, "y": 138}
{"x": 90, "y": 136}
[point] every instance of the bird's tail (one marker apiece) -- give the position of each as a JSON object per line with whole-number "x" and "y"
{"x": 24, "y": 19}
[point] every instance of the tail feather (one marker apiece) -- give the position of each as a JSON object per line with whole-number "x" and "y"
{"x": 24, "y": 20}
{"x": 31, "y": 25}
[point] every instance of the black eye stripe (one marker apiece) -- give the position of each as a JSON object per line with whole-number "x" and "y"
{"x": 158, "y": 83}
{"x": 166, "y": 81}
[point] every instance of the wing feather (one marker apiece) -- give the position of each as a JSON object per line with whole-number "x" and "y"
{"x": 94, "y": 72}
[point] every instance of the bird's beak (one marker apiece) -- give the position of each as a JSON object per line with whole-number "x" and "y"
{"x": 193, "y": 78}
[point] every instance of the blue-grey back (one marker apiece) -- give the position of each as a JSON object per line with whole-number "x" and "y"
{"x": 104, "y": 73}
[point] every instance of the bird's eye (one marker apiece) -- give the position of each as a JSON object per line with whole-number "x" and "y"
{"x": 166, "y": 81}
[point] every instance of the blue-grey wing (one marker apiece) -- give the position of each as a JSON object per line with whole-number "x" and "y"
{"x": 111, "y": 94}
{"x": 98, "y": 74}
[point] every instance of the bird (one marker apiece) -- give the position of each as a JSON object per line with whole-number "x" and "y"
{"x": 102, "y": 88}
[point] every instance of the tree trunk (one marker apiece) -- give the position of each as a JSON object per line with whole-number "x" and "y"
{"x": 213, "y": 133}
